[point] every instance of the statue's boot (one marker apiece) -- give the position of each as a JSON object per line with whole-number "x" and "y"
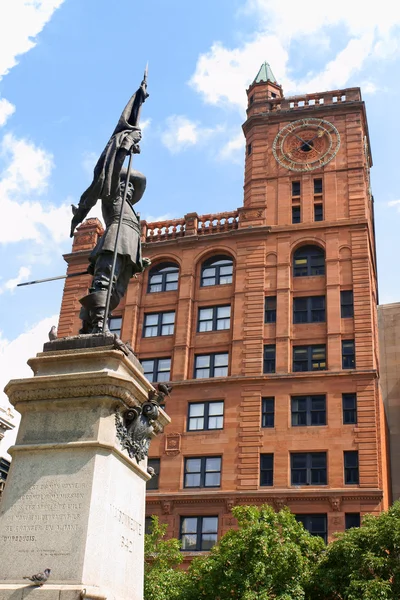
{"x": 95, "y": 304}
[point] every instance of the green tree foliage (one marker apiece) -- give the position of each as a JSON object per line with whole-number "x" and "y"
{"x": 162, "y": 579}
{"x": 362, "y": 563}
{"x": 270, "y": 557}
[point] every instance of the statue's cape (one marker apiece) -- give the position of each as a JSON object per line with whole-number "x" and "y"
{"x": 103, "y": 171}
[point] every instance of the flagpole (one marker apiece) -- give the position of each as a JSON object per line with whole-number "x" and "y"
{"x": 121, "y": 214}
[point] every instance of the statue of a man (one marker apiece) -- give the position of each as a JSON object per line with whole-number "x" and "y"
{"x": 110, "y": 178}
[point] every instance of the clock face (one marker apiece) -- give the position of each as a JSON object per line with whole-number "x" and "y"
{"x": 306, "y": 144}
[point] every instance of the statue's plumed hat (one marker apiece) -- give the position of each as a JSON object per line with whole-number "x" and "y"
{"x": 124, "y": 173}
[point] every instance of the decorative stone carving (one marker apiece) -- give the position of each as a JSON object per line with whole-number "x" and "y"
{"x": 172, "y": 444}
{"x": 230, "y": 503}
{"x": 135, "y": 428}
{"x": 252, "y": 214}
{"x": 279, "y": 503}
{"x": 166, "y": 506}
{"x": 335, "y": 503}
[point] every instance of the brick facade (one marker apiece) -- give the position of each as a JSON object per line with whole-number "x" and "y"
{"x": 261, "y": 240}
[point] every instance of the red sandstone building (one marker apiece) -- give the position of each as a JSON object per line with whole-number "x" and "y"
{"x": 264, "y": 319}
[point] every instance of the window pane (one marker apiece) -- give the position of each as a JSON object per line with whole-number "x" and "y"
{"x": 205, "y": 314}
{"x": 196, "y": 410}
{"x": 299, "y": 461}
{"x": 202, "y": 361}
{"x": 171, "y": 286}
{"x": 164, "y": 364}
{"x": 193, "y": 465}
{"x": 208, "y": 281}
{"x": 163, "y": 376}
{"x": 168, "y": 318}
{"x": 226, "y": 270}
{"x": 192, "y": 480}
{"x": 213, "y": 464}
{"x": 167, "y": 329}
{"x": 209, "y": 272}
{"x": 210, "y": 525}
{"x": 171, "y": 276}
{"x": 220, "y": 360}
{"x": 196, "y": 423}
{"x": 216, "y": 408}
{"x": 148, "y": 365}
{"x": 212, "y": 480}
{"x": 189, "y": 525}
{"x": 151, "y": 319}
{"x": 155, "y": 279}
{"x": 215, "y": 423}
{"x": 223, "y": 312}
{"x": 223, "y": 324}
{"x": 205, "y": 326}
{"x": 202, "y": 373}
{"x": 208, "y": 541}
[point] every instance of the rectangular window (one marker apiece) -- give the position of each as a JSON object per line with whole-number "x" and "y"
{"x": 351, "y": 467}
{"x": 273, "y": 95}
{"x": 114, "y": 325}
{"x": 157, "y": 369}
{"x": 268, "y": 412}
{"x": 308, "y": 468}
{"x": 211, "y": 365}
{"x": 309, "y": 358}
{"x": 269, "y": 359}
{"x": 270, "y": 309}
{"x": 249, "y": 149}
{"x": 317, "y": 186}
{"x": 349, "y": 406}
{"x": 318, "y": 212}
{"x": 198, "y": 533}
{"x": 266, "y": 469}
{"x": 205, "y": 416}
{"x": 296, "y": 214}
{"x": 159, "y": 324}
{"x": 315, "y": 524}
{"x": 348, "y": 354}
{"x": 154, "y": 463}
{"x": 308, "y": 410}
{"x": 148, "y": 525}
{"x": 295, "y": 188}
{"x": 202, "y": 472}
{"x": 352, "y": 520}
{"x": 309, "y": 310}
{"x": 214, "y": 318}
{"x": 346, "y": 304}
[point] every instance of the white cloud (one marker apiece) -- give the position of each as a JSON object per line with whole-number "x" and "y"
{"x": 233, "y": 149}
{"x": 395, "y": 203}
{"x": 13, "y": 357}
{"x": 371, "y": 32}
{"x": 27, "y": 174}
{"x": 145, "y": 124}
{"x": 6, "y": 110}
{"x": 11, "y": 284}
{"x": 181, "y": 133}
{"x": 20, "y": 22}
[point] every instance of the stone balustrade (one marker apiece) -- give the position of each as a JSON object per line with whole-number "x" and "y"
{"x": 298, "y": 102}
{"x": 190, "y": 224}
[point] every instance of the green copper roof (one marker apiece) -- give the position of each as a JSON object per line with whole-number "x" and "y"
{"x": 265, "y": 74}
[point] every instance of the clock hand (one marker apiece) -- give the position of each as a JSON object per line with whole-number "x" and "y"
{"x": 308, "y": 143}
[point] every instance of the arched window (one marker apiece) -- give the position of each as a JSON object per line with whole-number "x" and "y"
{"x": 217, "y": 270}
{"x": 308, "y": 260}
{"x": 163, "y": 278}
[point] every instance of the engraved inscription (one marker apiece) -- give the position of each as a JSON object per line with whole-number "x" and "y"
{"x": 126, "y": 520}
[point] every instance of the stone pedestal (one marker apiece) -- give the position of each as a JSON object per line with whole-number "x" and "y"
{"x": 74, "y": 500}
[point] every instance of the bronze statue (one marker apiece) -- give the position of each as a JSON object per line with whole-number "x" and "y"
{"x": 117, "y": 256}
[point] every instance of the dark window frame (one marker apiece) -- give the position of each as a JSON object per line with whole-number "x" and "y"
{"x": 306, "y": 520}
{"x": 269, "y": 364}
{"x": 206, "y": 415}
{"x": 308, "y": 474}
{"x": 296, "y": 188}
{"x": 249, "y": 148}
{"x": 318, "y": 186}
{"x": 268, "y": 412}
{"x": 113, "y": 329}
{"x": 270, "y": 309}
{"x": 203, "y": 471}
{"x": 156, "y": 371}
{"x": 214, "y": 319}
{"x": 318, "y": 212}
{"x": 199, "y": 532}
{"x": 153, "y": 483}
{"x": 346, "y": 304}
{"x": 349, "y": 412}
{"x": 158, "y": 270}
{"x": 310, "y": 416}
{"x": 296, "y": 214}
{"x": 313, "y": 266}
{"x": 351, "y": 467}
{"x": 210, "y": 264}
{"x": 310, "y": 312}
{"x": 160, "y": 324}
{"x": 348, "y": 354}
{"x": 352, "y": 520}
{"x": 212, "y": 367}
{"x": 308, "y": 362}
{"x": 266, "y": 469}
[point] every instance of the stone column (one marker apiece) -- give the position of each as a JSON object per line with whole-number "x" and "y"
{"x": 75, "y": 499}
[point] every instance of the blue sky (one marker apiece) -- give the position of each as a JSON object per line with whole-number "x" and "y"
{"x": 68, "y": 67}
